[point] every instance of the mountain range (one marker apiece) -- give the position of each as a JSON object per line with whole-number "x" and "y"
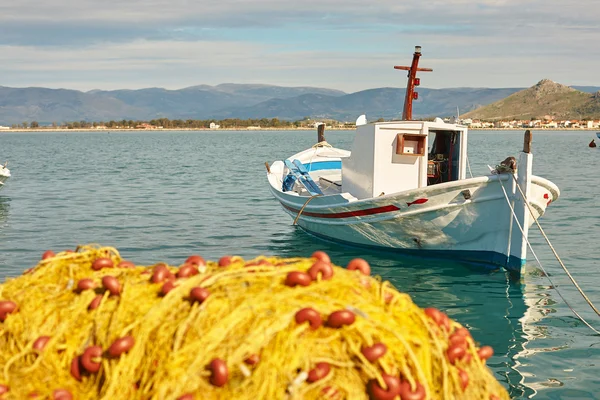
{"x": 241, "y": 101}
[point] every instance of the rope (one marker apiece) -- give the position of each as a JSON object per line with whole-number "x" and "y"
{"x": 304, "y": 206}
{"x": 540, "y": 263}
{"x": 555, "y": 253}
{"x": 322, "y": 144}
{"x": 469, "y": 166}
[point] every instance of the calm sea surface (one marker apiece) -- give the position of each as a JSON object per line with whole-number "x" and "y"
{"x": 160, "y": 196}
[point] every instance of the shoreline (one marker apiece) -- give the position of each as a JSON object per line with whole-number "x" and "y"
{"x": 261, "y": 129}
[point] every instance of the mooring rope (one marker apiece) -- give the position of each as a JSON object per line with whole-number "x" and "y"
{"x": 469, "y": 166}
{"x": 304, "y": 206}
{"x": 539, "y": 262}
{"x": 555, "y": 253}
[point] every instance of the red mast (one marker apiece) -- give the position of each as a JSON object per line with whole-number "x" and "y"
{"x": 412, "y": 82}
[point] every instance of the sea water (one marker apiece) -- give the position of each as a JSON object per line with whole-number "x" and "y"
{"x": 161, "y": 196}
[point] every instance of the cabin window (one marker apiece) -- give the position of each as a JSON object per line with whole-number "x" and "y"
{"x": 407, "y": 144}
{"x": 444, "y": 157}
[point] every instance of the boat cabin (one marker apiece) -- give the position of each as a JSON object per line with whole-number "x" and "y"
{"x": 391, "y": 157}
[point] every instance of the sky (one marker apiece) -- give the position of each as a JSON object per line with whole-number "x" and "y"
{"x": 346, "y": 45}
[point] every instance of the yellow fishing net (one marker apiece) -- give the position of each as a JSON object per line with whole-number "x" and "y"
{"x": 87, "y": 325}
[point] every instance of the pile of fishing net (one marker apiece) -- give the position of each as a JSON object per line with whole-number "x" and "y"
{"x": 89, "y": 325}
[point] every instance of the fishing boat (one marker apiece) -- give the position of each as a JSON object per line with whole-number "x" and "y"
{"x": 403, "y": 187}
{"x": 4, "y": 174}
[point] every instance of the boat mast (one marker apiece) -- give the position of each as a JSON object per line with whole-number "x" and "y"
{"x": 412, "y": 82}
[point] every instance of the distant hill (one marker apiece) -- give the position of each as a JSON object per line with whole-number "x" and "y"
{"x": 546, "y": 98}
{"x": 229, "y": 100}
{"x": 384, "y": 103}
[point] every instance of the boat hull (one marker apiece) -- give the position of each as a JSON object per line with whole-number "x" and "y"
{"x": 468, "y": 220}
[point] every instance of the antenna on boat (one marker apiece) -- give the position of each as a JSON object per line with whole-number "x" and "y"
{"x": 412, "y": 82}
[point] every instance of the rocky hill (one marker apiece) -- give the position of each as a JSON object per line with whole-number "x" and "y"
{"x": 546, "y": 98}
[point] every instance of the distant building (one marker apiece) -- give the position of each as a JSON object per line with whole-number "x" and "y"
{"x": 214, "y": 126}
{"x": 4, "y": 127}
{"x": 145, "y": 126}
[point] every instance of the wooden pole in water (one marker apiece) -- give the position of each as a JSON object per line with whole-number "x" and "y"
{"x": 320, "y": 133}
{"x": 527, "y": 141}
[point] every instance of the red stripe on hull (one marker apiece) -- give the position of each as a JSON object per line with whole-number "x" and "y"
{"x": 346, "y": 214}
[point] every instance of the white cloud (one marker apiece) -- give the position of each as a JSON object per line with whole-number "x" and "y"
{"x": 349, "y": 45}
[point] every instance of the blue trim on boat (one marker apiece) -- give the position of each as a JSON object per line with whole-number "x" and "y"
{"x": 319, "y": 165}
{"x": 490, "y": 260}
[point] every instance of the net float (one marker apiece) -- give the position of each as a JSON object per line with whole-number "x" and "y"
{"x": 374, "y": 352}
{"x": 320, "y": 371}
{"x": 90, "y": 359}
{"x": 85, "y": 284}
{"x": 296, "y": 278}
{"x": 167, "y": 287}
{"x": 252, "y": 360}
{"x": 61, "y": 394}
{"x": 7, "y": 307}
{"x": 199, "y": 294}
{"x": 358, "y": 264}
{"x": 121, "y": 345}
{"x": 464, "y": 378}
{"x": 161, "y": 273}
{"x": 111, "y": 284}
{"x": 219, "y": 372}
{"x": 196, "y": 260}
{"x": 126, "y": 264}
{"x": 455, "y": 352}
{"x": 440, "y": 318}
{"x": 321, "y": 267}
{"x": 76, "y": 368}
{"x": 311, "y": 315}
{"x": 485, "y": 352}
{"x": 322, "y": 256}
{"x": 95, "y": 303}
{"x": 101, "y": 263}
{"x": 225, "y": 261}
{"x": 406, "y": 392}
{"x": 337, "y": 319}
{"x": 187, "y": 270}
{"x": 40, "y": 343}
{"x": 376, "y": 392}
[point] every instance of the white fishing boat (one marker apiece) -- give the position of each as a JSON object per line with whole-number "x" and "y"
{"x": 4, "y": 174}
{"x": 404, "y": 187}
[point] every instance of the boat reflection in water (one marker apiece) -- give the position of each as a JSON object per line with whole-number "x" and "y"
{"x": 4, "y": 207}
{"x": 490, "y": 304}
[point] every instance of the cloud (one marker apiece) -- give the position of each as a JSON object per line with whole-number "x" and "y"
{"x": 349, "y": 45}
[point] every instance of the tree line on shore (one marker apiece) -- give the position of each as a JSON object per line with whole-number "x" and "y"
{"x": 176, "y": 123}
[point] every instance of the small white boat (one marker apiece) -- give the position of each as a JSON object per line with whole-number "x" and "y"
{"x": 4, "y": 174}
{"x": 403, "y": 187}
